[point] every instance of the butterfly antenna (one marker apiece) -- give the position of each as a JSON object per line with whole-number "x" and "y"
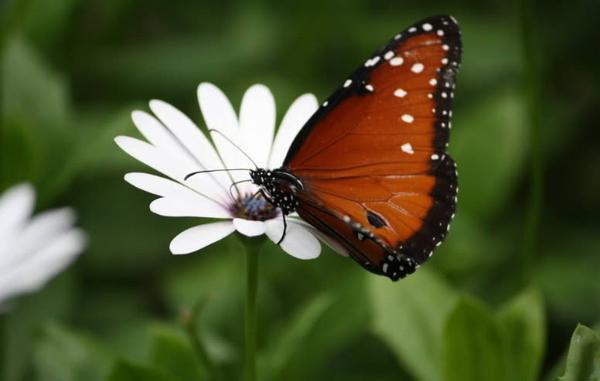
{"x": 233, "y": 144}
{"x": 234, "y": 184}
{"x": 214, "y": 170}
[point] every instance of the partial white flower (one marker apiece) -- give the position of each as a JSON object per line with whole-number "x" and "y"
{"x": 33, "y": 248}
{"x": 176, "y": 147}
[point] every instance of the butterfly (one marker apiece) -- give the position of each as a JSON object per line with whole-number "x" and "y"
{"x": 369, "y": 169}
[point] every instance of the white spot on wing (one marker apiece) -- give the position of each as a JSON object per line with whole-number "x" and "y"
{"x": 347, "y": 83}
{"x": 389, "y": 54}
{"x": 433, "y": 82}
{"x": 427, "y": 27}
{"x": 407, "y": 118}
{"x": 407, "y": 147}
{"x": 396, "y": 61}
{"x": 417, "y": 68}
{"x": 400, "y": 93}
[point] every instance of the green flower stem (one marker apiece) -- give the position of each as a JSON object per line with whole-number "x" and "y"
{"x": 533, "y": 92}
{"x": 252, "y": 251}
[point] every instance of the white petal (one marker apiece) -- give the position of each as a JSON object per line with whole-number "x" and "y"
{"x": 333, "y": 244}
{"x": 38, "y": 268}
{"x": 200, "y": 236}
{"x": 249, "y": 228}
{"x": 223, "y": 125}
{"x": 156, "y": 185}
{"x": 159, "y": 136}
{"x": 184, "y": 206}
{"x": 37, "y": 233}
{"x": 293, "y": 121}
{"x": 170, "y": 166}
{"x": 178, "y": 200}
{"x": 216, "y": 109}
{"x": 257, "y": 124}
{"x": 170, "y": 147}
{"x": 191, "y": 138}
{"x": 16, "y": 205}
{"x": 298, "y": 241}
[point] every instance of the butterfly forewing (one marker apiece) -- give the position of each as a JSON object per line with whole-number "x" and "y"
{"x": 372, "y": 159}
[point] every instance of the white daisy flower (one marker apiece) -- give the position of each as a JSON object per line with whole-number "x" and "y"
{"x": 33, "y": 249}
{"x": 176, "y": 147}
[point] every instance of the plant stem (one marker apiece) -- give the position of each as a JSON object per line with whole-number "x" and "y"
{"x": 252, "y": 252}
{"x": 533, "y": 91}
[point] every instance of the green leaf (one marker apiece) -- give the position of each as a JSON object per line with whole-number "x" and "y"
{"x": 62, "y": 355}
{"x": 474, "y": 346}
{"x": 489, "y": 143}
{"x": 19, "y": 153}
{"x": 124, "y": 370}
{"x": 292, "y": 337}
{"x": 409, "y": 316}
{"x": 24, "y": 317}
{"x": 334, "y": 328}
{"x": 173, "y": 354}
{"x": 31, "y": 90}
{"x": 583, "y": 360}
{"x": 35, "y": 100}
{"x": 524, "y": 321}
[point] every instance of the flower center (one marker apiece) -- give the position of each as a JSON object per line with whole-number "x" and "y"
{"x": 253, "y": 207}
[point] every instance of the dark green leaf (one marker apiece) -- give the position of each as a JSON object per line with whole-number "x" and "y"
{"x": 583, "y": 360}
{"x": 127, "y": 371}
{"x": 474, "y": 345}
{"x": 409, "y": 316}
{"x": 292, "y": 338}
{"x": 62, "y": 355}
{"x": 524, "y": 322}
{"x": 173, "y": 354}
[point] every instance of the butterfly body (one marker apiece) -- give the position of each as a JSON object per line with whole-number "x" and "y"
{"x": 369, "y": 170}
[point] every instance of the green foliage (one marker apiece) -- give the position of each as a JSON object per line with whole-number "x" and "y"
{"x": 474, "y": 347}
{"x": 461, "y": 338}
{"x": 71, "y": 73}
{"x": 490, "y": 147}
{"x": 128, "y": 371}
{"x": 292, "y": 339}
{"x": 410, "y": 317}
{"x": 174, "y": 355}
{"x": 61, "y": 355}
{"x": 524, "y": 323}
{"x": 583, "y": 360}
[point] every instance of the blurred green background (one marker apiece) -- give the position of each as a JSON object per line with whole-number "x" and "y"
{"x": 489, "y": 305}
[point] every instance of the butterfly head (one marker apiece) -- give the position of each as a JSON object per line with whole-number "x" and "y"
{"x": 279, "y": 187}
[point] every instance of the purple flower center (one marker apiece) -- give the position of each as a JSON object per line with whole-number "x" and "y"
{"x": 253, "y": 206}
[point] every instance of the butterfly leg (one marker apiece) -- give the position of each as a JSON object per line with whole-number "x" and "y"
{"x": 284, "y": 230}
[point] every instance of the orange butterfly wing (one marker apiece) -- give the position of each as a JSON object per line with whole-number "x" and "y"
{"x": 373, "y": 158}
